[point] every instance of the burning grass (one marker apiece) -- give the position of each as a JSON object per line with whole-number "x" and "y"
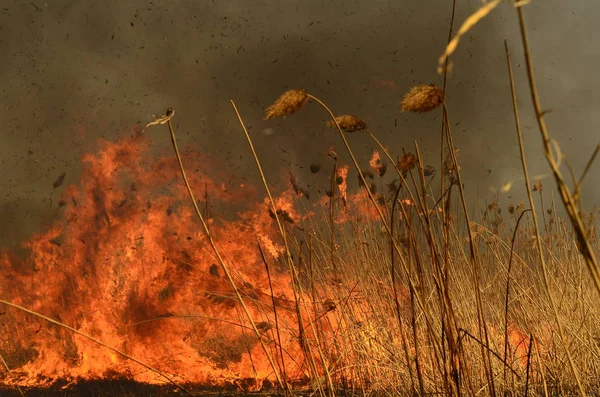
{"x": 393, "y": 288}
{"x": 372, "y": 290}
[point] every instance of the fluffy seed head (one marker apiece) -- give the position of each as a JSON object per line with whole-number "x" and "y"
{"x": 407, "y": 162}
{"x": 290, "y": 102}
{"x": 423, "y": 98}
{"x": 348, "y": 123}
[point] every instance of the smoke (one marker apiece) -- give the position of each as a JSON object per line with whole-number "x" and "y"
{"x": 78, "y": 71}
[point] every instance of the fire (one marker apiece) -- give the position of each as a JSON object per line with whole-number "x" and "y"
{"x": 342, "y": 175}
{"x": 375, "y": 161}
{"x": 519, "y": 341}
{"x": 130, "y": 267}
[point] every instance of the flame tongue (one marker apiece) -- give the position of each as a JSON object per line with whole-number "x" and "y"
{"x": 130, "y": 267}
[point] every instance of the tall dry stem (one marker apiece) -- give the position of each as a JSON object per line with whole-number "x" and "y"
{"x": 568, "y": 199}
{"x": 536, "y": 225}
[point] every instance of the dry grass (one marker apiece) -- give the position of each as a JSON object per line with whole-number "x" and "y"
{"x": 402, "y": 291}
{"x": 386, "y": 301}
{"x": 354, "y": 305}
{"x": 492, "y": 306}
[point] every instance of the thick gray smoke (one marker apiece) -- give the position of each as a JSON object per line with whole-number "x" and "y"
{"x": 73, "y": 72}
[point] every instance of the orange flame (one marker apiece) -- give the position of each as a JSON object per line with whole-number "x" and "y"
{"x": 342, "y": 172}
{"x": 375, "y": 161}
{"x": 130, "y": 267}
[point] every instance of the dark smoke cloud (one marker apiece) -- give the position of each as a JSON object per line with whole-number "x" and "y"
{"x": 77, "y": 71}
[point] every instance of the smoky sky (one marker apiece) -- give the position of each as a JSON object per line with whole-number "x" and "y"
{"x": 74, "y": 72}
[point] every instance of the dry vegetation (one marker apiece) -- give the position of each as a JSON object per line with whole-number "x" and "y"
{"x": 410, "y": 296}
{"x": 419, "y": 299}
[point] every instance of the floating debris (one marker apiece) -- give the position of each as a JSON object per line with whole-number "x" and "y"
{"x": 214, "y": 270}
{"x": 59, "y": 181}
{"x": 283, "y": 214}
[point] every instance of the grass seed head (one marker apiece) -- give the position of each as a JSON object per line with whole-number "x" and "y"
{"x": 423, "y": 98}
{"x": 407, "y": 162}
{"x": 449, "y": 167}
{"x": 511, "y": 209}
{"x": 288, "y": 103}
{"x": 348, "y": 123}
